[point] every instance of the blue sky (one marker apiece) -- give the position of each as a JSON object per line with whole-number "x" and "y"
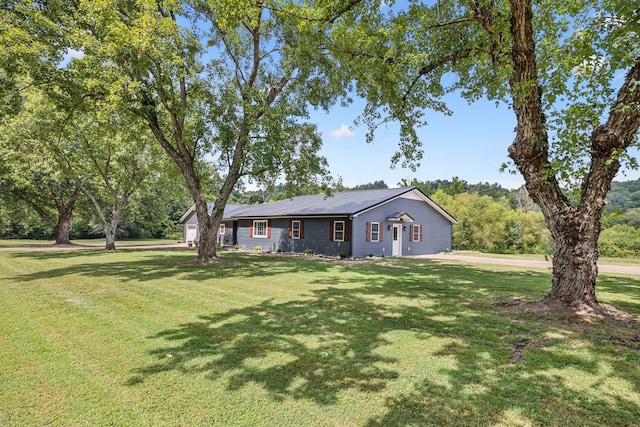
{"x": 470, "y": 144}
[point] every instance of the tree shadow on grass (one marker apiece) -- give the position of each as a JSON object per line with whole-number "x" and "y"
{"x": 549, "y": 387}
{"x": 304, "y": 349}
{"x": 341, "y": 337}
{"x": 624, "y": 291}
{"x": 147, "y": 265}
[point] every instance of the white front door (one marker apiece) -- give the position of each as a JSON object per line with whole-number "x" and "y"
{"x": 191, "y": 233}
{"x": 396, "y": 250}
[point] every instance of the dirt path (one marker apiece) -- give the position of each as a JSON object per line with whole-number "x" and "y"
{"x": 523, "y": 263}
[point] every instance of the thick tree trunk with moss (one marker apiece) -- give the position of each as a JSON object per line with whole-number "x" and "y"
{"x": 575, "y": 227}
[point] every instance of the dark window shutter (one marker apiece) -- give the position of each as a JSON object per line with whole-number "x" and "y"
{"x": 268, "y": 228}
{"x": 368, "y": 231}
{"x": 289, "y": 232}
{"x": 347, "y": 226}
{"x": 302, "y": 229}
{"x": 251, "y": 228}
{"x": 331, "y": 230}
{"x": 380, "y": 227}
{"x": 421, "y": 233}
{"x": 411, "y": 231}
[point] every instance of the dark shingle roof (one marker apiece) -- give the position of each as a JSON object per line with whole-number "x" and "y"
{"x": 342, "y": 203}
{"x": 339, "y": 203}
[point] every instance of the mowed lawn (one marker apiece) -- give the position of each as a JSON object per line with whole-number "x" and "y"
{"x": 142, "y": 338}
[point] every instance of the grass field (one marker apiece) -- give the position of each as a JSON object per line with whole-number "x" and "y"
{"x": 140, "y": 337}
{"x": 11, "y": 243}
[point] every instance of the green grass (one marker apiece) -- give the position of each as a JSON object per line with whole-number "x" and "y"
{"x": 143, "y": 338}
{"x": 21, "y": 243}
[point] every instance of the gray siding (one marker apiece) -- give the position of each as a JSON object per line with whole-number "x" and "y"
{"x": 226, "y": 239}
{"x": 192, "y": 220}
{"x": 436, "y": 230}
{"x": 316, "y": 237}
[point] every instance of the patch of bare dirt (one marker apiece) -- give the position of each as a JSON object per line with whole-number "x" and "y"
{"x": 604, "y": 324}
{"x": 583, "y": 312}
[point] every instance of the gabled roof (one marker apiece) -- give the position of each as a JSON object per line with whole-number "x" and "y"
{"x": 341, "y": 203}
{"x": 400, "y": 216}
{"x": 228, "y": 210}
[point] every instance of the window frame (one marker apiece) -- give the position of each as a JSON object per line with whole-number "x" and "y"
{"x": 377, "y": 232}
{"x": 293, "y": 229}
{"x": 416, "y": 231}
{"x": 255, "y": 226}
{"x": 336, "y": 231}
{"x": 222, "y": 230}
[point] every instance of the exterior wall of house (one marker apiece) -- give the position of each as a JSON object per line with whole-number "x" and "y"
{"x": 190, "y": 222}
{"x": 436, "y": 230}
{"x": 316, "y": 236}
{"x": 316, "y": 232}
{"x": 225, "y": 239}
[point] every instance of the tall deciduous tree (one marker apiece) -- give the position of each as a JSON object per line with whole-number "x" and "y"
{"x": 233, "y": 89}
{"x": 569, "y": 70}
{"x": 29, "y": 173}
{"x": 110, "y": 157}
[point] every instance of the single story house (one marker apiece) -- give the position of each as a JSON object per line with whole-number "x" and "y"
{"x": 380, "y": 222}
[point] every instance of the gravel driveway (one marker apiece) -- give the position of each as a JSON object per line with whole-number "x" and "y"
{"x": 523, "y": 263}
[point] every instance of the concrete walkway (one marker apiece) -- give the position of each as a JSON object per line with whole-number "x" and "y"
{"x": 472, "y": 259}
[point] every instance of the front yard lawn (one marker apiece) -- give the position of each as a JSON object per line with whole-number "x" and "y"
{"x": 140, "y": 337}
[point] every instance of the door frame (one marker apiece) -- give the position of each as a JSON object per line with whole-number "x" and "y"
{"x": 396, "y": 244}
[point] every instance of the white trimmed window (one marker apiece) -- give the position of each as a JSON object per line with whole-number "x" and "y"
{"x": 374, "y": 233}
{"x": 260, "y": 227}
{"x": 338, "y": 231}
{"x": 416, "y": 233}
{"x": 295, "y": 230}
{"x": 222, "y": 230}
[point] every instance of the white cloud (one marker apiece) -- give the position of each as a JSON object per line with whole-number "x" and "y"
{"x": 343, "y": 132}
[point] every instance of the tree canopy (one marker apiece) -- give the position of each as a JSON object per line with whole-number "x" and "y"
{"x": 569, "y": 70}
{"x": 224, "y": 86}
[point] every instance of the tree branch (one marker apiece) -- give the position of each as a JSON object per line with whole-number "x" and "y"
{"x": 611, "y": 138}
{"x": 529, "y": 149}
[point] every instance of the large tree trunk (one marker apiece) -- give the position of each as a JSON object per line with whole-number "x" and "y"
{"x": 207, "y": 240}
{"x": 61, "y": 229}
{"x": 575, "y": 228}
{"x": 575, "y": 261}
{"x": 110, "y": 231}
{"x": 208, "y": 224}
{"x": 111, "y": 224}
{"x": 62, "y": 226}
